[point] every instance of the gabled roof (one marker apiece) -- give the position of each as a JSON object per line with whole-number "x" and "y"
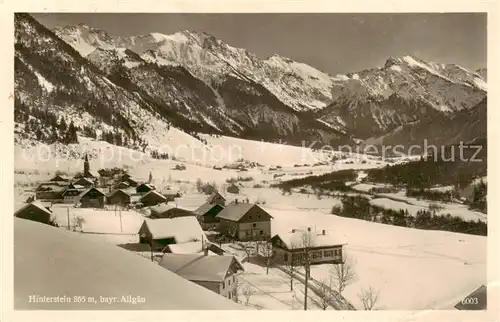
{"x": 153, "y": 192}
{"x": 90, "y": 189}
{"x": 36, "y": 204}
{"x": 294, "y": 239}
{"x": 186, "y": 248}
{"x": 161, "y": 208}
{"x": 196, "y": 267}
{"x": 214, "y": 195}
{"x": 183, "y": 229}
{"x": 112, "y": 193}
{"x": 206, "y": 207}
{"x": 236, "y": 211}
{"x": 81, "y": 259}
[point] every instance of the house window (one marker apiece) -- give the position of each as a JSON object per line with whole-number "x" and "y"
{"x": 316, "y": 254}
{"x": 249, "y": 217}
{"x": 337, "y": 252}
{"x": 254, "y": 225}
{"x": 328, "y": 253}
{"x": 285, "y": 257}
{"x": 261, "y": 232}
{"x": 228, "y": 282}
{"x": 223, "y": 285}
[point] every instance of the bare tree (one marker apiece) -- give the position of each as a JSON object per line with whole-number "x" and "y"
{"x": 369, "y": 297}
{"x": 267, "y": 253}
{"x": 325, "y": 293}
{"x": 306, "y": 242}
{"x": 290, "y": 265}
{"x": 343, "y": 273}
{"x": 247, "y": 292}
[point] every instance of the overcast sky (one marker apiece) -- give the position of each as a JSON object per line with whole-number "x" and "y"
{"x": 335, "y": 42}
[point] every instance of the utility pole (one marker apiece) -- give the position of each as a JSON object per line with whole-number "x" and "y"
{"x": 307, "y": 267}
{"x": 67, "y": 210}
{"x": 121, "y": 225}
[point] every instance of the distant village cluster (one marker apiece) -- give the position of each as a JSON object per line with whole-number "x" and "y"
{"x": 187, "y": 242}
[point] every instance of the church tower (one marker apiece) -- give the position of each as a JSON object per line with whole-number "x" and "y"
{"x": 86, "y": 167}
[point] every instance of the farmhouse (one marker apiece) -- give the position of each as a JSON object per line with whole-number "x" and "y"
{"x": 145, "y": 188}
{"x": 35, "y": 211}
{"x": 118, "y": 197}
{"x": 164, "y": 210}
{"x": 92, "y": 198}
{"x": 245, "y": 221}
{"x": 162, "y": 232}
{"x": 216, "y": 273}
{"x": 206, "y": 215}
{"x": 216, "y": 198}
{"x": 324, "y": 247}
{"x": 152, "y": 198}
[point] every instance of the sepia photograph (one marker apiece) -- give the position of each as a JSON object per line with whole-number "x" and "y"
{"x": 250, "y": 161}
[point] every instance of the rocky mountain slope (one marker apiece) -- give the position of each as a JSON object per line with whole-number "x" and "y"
{"x": 201, "y": 84}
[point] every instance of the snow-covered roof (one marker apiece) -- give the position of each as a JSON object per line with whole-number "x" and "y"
{"x": 203, "y": 209}
{"x": 75, "y": 268}
{"x": 112, "y": 193}
{"x": 90, "y": 189}
{"x": 153, "y": 192}
{"x": 184, "y": 229}
{"x": 293, "y": 239}
{"x": 196, "y": 267}
{"x": 36, "y": 203}
{"x": 236, "y": 211}
{"x": 161, "y": 208}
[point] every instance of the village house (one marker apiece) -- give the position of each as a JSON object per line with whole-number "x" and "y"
{"x": 70, "y": 195}
{"x": 36, "y": 211}
{"x": 207, "y": 215}
{"x": 234, "y": 189}
{"x": 131, "y": 182}
{"x": 324, "y": 247}
{"x": 245, "y": 221}
{"x": 145, "y": 188}
{"x": 162, "y": 232}
{"x": 51, "y": 191}
{"x": 216, "y": 198}
{"x": 92, "y": 198}
{"x": 118, "y": 197}
{"x": 216, "y": 273}
{"x": 152, "y": 198}
{"x": 165, "y": 210}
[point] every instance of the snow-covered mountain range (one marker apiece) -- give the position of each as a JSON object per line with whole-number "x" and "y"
{"x": 198, "y": 83}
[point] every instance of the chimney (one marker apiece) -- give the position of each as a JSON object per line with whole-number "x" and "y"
{"x": 293, "y": 231}
{"x": 309, "y": 229}
{"x": 323, "y": 232}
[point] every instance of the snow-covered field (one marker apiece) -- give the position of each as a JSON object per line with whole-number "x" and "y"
{"x": 413, "y": 269}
